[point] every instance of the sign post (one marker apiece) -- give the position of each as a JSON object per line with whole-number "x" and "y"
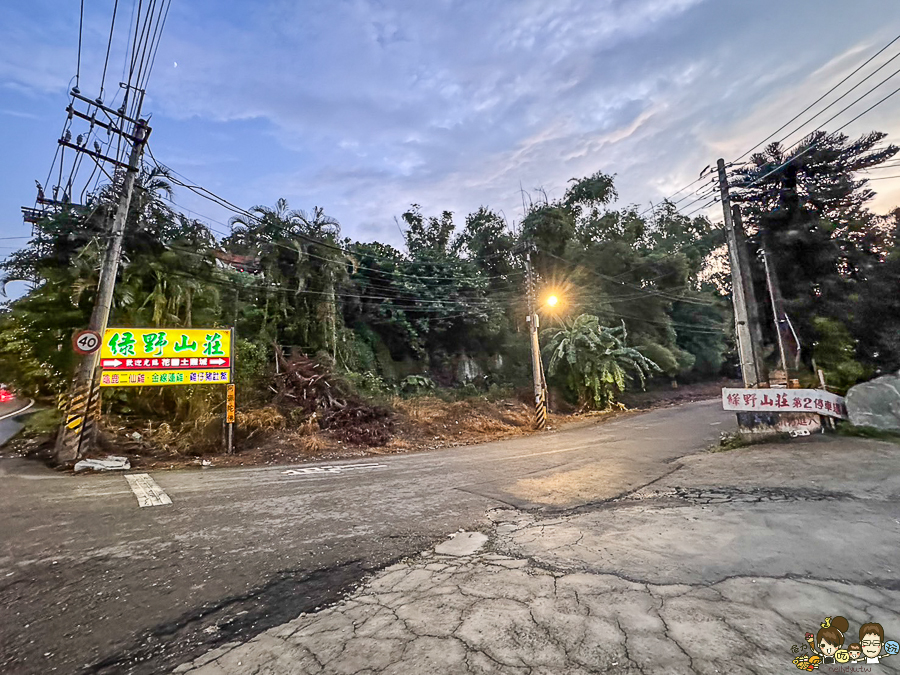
{"x": 163, "y": 357}
{"x": 229, "y": 417}
{"x": 142, "y": 357}
{"x": 798, "y": 412}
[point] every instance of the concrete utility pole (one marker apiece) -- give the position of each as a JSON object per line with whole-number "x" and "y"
{"x": 537, "y": 369}
{"x": 756, "y": 336}
{"x": 738, "y": 285}
{"x": 773, "y": 297}
{"x": 83, "y": 406}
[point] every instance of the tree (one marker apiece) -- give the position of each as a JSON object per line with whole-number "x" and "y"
{"x": 807, "y": 208}
{"x": 596, "y": 361}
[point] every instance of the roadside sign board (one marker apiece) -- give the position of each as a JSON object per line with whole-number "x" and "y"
{"x": 86, "y": 341}
{"x": 817, "y": 401}
{"x": 230, "y": 405}
{"x": 140, "y": 357}
{"x": 153, "y": 378}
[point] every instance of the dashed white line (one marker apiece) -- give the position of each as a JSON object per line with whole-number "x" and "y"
{"x": 332, "y": 470}
{"x": 146, "y": 490}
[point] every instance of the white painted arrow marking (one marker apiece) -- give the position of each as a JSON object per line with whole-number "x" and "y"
{"x": 333, "y": 469}
{"x": 146, "y": 490}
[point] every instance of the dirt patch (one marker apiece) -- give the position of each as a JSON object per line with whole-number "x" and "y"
{"x": 663, "y": 396}
{"x": 273, "y": 435}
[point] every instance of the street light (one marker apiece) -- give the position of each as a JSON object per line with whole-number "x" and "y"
{"x": 552, "y": 301}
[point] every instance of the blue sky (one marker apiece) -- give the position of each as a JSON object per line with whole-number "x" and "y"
{"x": 364, "y": 106}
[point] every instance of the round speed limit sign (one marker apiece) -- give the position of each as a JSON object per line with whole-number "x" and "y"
{"x": 86, "y": 341}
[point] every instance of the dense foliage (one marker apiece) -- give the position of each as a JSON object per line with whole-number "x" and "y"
{"x": 833, "y": 261}
{"x": 451, "y": 306}
{"x": 596, "y": 361}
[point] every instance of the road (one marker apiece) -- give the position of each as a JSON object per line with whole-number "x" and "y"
{"x": 9, "y": 426}
{"x": 92, "y": 583}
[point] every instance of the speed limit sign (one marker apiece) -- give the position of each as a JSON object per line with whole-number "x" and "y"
{"x": 86, "y": 341}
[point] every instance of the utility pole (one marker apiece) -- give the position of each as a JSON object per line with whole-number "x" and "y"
{"x": 774, "y": 298}
{"x": 537, "y": 369}
{"x": 738, "y": 285}
{"x": 756, "y": 336}
{"x": 82, "y": 409}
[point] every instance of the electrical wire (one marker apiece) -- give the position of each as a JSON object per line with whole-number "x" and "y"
{"x": 819, "y": 128}
{"x": 162, "y": 26}
{"x": 80, "y": 26}
{"x": 143, "y": 48}
{"x": 860, "y": 67}
{"x": 203, "y": 192}
{"x": 817, "y": 143}
{"x": 108, "y": 47}
{"x": 662, "y": 294}
{"x": 701, "y": 208}
{"x": 674, "y": 194}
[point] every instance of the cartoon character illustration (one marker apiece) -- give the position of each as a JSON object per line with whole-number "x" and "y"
{"x": 830, "y": 638}
{"x": 855, "y": 652}
{"x": 871, "y": 639}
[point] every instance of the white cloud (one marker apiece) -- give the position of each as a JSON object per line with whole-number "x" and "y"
{"x": 363, "y": 106}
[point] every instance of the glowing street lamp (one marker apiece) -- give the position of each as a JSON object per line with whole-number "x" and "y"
{"x": 552, "y": 301}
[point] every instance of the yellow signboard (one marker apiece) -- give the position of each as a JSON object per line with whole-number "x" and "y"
{"x": 165, "y": 343}
{"x": 142, "y": 357}
{"x": 158, "y": 378}
{"x": 230, "y": 404}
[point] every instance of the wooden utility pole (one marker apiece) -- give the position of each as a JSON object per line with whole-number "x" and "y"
{"x": 749, "y": 369}
{"x": 537, "y": 369}
{"x": 82, "y": 409}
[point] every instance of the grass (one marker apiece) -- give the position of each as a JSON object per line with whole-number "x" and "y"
{"x": 847, "y": 429}
{"x": 733, "y": 441}
{"x": 41, "y": 422}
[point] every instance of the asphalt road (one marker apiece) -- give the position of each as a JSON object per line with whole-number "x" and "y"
{"x": 92, "y": 583}
{"x": 9, "y": 426}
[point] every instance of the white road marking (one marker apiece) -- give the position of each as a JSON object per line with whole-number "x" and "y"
{"x": 146, "y": 490}
{"x": 19, "y": 411}
{"x": 333, "y": 469}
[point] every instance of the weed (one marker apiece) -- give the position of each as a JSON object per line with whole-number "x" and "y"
{"x": 846, "y": 429}
{"x": 733, "y": 441}
{"x": 41, "y": 422}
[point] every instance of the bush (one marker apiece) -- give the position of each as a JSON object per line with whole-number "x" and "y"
{"x": 416, "y": 385}
{"x": 834, "y": 351}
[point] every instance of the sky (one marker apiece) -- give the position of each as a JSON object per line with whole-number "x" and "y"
{"x": 363, "y": 107}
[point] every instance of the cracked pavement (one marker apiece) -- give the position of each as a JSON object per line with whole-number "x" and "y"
{"x": 624, "y": 547}
{"x": 720, "y": 566}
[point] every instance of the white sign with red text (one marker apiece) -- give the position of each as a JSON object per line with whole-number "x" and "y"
{"x": 785, "y": 400}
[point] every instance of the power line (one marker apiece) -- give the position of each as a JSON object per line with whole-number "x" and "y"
{"x": 109, "y": 46}
{"x": 662, "y": 294}
{"x": 702, "y": 207}
{"x": 209, "y": 195}
{"x": 816, "y": 143}
{"x": 849, "y": 106}
{"x": 866, "y": 62}
{"x": 674, "y": 194}
{"x": 80, "y": 26}
{"x": 162, "y": 26}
